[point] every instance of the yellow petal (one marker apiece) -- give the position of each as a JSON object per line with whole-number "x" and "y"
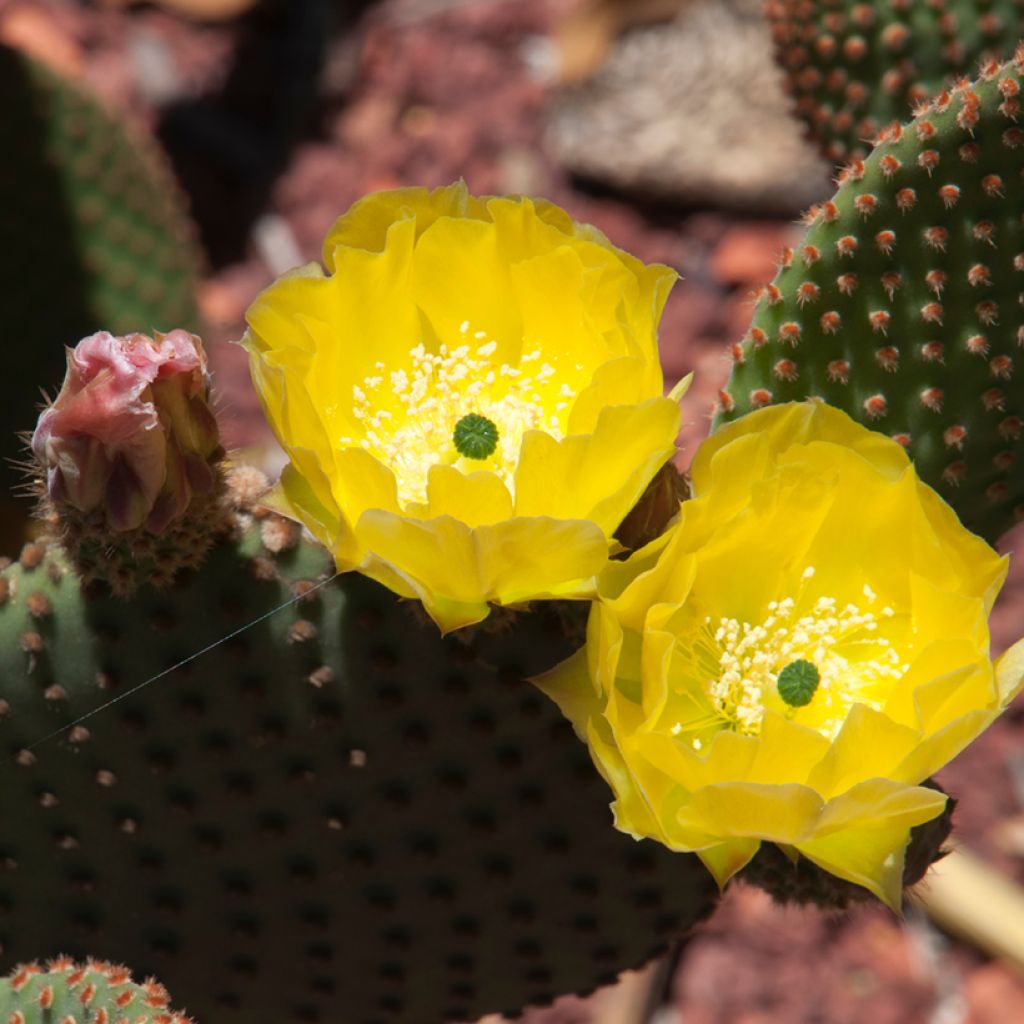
{"x": 725, "y": 859}
{"x": 935, "y": 751}
{"x": 656, "y": 655}
{"x": 846, "y": 763}
{"x": 371, "y": 295}
{"x": 568, "y": 685}
{"x": 682, "y": 386}
{"x": 552, "y": 292}
{"x": 880, "y": 801}
{"x": 787, "y": 752}
{"x": 980, "y": 567}
{"x": 603, "y": 648}
{"x": 631, "y": 811}
{"x": 953, "y": 660}
{"x": 784, "y": 814}
{"x": 366, "y": 224}
{"x": 460, "y": 276}
{"x": 1010, "y": 672}
{"x": 569, "y": 478}
{"x": 863, "y": 834}
{"x": 475, "y": 498}
{"x": 618, "y": 381}
{"x": 456, "y": 569}
{"x": 648, "y": 576}
{"x": 293, "y": 496}
{"x": 796, "y": 423}
{"x": 869, "y": 857}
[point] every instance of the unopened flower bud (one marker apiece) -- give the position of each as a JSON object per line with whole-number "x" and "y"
{"x": 131, "y": 437}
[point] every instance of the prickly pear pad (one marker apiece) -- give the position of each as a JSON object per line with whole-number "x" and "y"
{"x": 902, "y": 305}
{"x": 337, "y": 814}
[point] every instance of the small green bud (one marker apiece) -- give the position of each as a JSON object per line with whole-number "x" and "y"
{"x": 798, "y": 682}
{"x": 475, "y": 437}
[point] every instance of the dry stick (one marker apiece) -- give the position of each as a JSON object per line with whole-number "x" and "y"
{"x": 205, "y": 10}
{"x": 968, "y": 897}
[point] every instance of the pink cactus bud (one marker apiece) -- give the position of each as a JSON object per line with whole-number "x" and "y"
{"x": 131, "y": 434}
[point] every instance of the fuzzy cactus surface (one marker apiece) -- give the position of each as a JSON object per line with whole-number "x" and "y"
{"x": 395, "y": 823}
{"x": 902, "y": 304}
{"x": 852, "y": 68}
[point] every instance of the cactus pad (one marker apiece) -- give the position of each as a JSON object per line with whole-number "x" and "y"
{"x": 853, "y": 67}
{"x": 93, "y": 234}
{"x": 902, "y": 305}
{"x": 335, "y": 815}
{"x": 88, "y": 993}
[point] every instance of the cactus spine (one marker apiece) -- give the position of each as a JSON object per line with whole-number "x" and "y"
{"x": 903, "y": 302}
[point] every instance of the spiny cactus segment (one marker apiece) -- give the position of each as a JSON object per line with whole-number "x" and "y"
{"x": 66, "y": 992}
{"x": 394, "y": 822}
{"x": 854, "y": 67}
{"x": 904, "y": 302}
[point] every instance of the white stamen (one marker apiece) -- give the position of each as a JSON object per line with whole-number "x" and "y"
{"x": 856, "y": 664}
{"x": 408, "y": 414}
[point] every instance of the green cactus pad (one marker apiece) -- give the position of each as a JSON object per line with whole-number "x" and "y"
{"x": 87, "y": 993}
{"x": 336, "y": 815}
{"x": 853, "y": 67}
{"x": 93, "y": 235}
{"x": 902, "y": 305}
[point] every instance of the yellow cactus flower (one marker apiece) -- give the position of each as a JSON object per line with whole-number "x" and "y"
{"x": 470, "y": 397}
{"x": 789, "y": 662}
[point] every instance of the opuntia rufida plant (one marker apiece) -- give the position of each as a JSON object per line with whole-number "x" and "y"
{"x": 83, "y": 993}
{"x": 335, "y": 762}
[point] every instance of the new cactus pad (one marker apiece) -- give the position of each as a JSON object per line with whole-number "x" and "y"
{"x": 902, "y": 304}
{"x": 853, "y": 67}
{"x": 83, "y": 993}
{"x": 335, "y": 814}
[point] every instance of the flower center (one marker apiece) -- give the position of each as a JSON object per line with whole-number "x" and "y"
{"x": 798, "y": 682}
{"x": 475, "y": 437}
{"x": 811, "y": 666}
{"x": 460, "y": 406}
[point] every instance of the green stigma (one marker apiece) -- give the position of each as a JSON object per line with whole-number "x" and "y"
{"x": 798, "y": 682}
{"x": 475, "y": 437}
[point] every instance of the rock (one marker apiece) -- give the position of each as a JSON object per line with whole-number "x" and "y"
{"x": 692, "y": 111}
